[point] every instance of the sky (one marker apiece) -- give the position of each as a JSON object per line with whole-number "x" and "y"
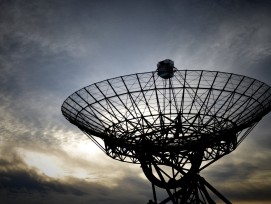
{"x": 49, "y": 49}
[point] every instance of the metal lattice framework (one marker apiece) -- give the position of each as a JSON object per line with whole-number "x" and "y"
{"x": 174, "y": 127}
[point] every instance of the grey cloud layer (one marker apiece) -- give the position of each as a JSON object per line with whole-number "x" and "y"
{"x": 20, "y": 183}
{"x": 48, "y": 49}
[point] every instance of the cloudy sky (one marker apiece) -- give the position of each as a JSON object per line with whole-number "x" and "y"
{"x": 49, "y": 49}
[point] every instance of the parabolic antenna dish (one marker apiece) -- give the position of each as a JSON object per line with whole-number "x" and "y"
{"x": 188, "y": 118}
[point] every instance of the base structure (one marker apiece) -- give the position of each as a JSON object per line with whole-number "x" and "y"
{"x": 179, "y": 176}
{"x": 197, "y": 192}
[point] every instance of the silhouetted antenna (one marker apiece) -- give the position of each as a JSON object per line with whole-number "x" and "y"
{"x": 173, "y": 122}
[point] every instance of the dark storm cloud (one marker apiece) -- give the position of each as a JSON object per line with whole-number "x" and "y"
{"x": 21, "y": 183}
{"x": 243, "y": 175}
{"x": 17, "y": 177}
{"x": 235, "y": 38}
{"x": 123, "y": 34}
{"x": 38, "y": 47}
{"x": 245, "y": 181}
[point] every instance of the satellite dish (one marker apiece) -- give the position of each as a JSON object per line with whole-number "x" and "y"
{"x": 173, "y": 122}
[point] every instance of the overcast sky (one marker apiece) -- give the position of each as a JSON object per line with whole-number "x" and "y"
{"x": 49, "y": 49}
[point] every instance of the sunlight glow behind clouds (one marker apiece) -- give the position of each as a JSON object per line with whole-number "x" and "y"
{"x": 45, "y": 163}
{"x": 54, "y": 167}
